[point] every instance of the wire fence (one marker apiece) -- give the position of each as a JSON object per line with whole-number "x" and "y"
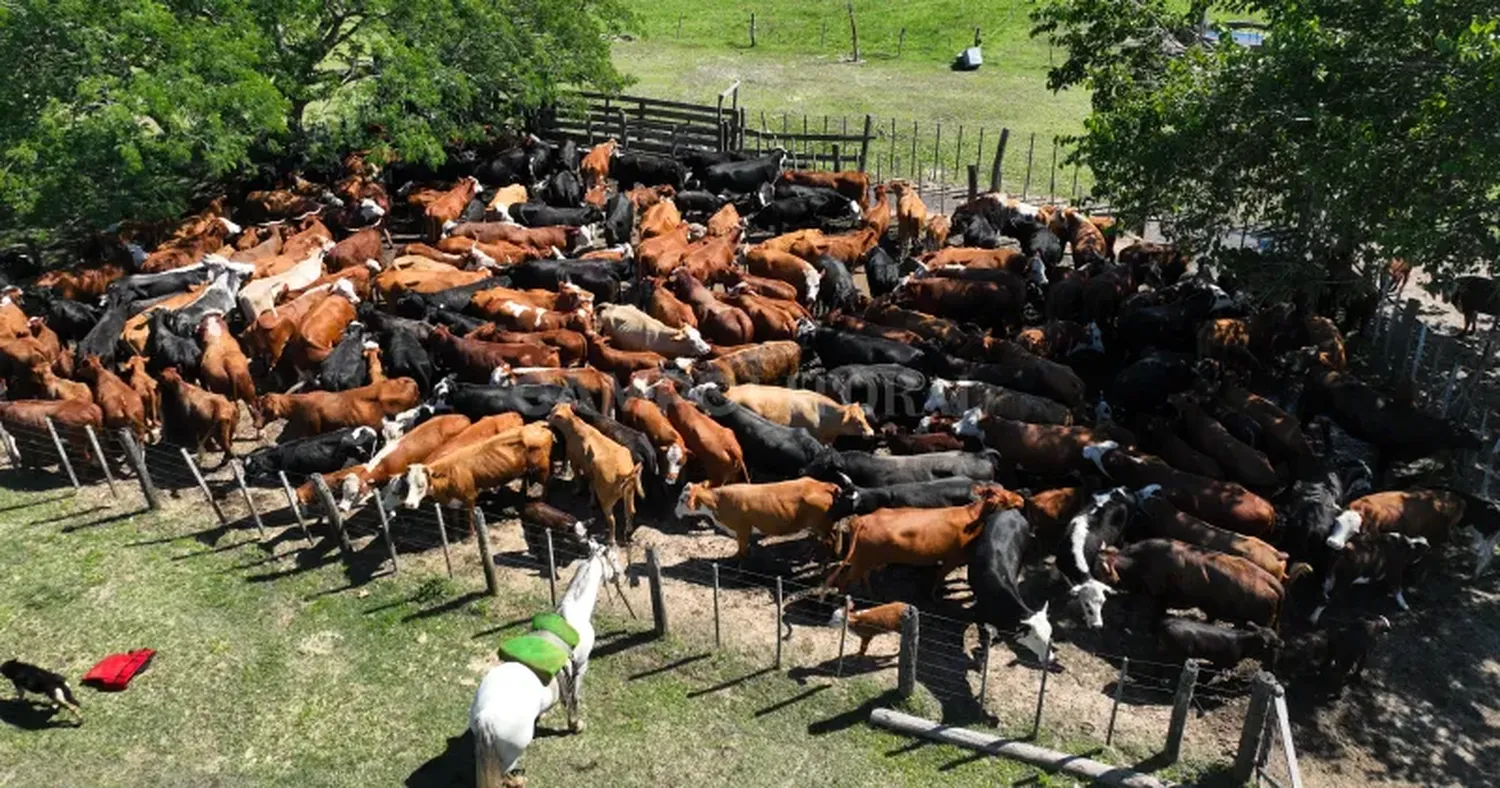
{"x": 777, "y": 615}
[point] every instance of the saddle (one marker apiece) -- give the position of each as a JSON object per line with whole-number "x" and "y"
{"x": 546, "y": 649}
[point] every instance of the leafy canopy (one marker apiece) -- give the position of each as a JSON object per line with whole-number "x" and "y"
{"x": 116, "y": 109}
{"x": 1359, "y": 125}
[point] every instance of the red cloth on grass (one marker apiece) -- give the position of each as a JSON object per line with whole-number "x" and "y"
{"x": 114, "y": 672}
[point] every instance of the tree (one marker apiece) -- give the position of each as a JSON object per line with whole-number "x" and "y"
{"x": 1370, "y": 126}
{"x": 126, "y": 109}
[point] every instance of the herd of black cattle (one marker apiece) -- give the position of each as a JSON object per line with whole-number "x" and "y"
{"x": 1150, "y": 415}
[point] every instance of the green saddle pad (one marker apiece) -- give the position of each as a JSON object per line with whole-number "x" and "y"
{"x": 541, "y": 654}
{"x": 557, "y": 625}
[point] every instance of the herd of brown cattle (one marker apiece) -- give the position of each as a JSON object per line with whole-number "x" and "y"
{"x": 1022, "y": 360}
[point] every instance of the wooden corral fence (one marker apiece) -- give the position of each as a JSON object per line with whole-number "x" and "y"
{"x": 946, "y": 656}
{"x": 948, "y": 164}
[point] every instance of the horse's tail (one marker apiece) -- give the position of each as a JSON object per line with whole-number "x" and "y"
{"x": 489, "y": 762}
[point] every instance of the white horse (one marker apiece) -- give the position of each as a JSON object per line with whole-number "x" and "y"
{"x": 511, "y": 697}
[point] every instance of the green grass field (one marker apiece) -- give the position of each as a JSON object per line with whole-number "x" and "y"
{"x": 800, "y": 66}
{"x": 273, "y": 670}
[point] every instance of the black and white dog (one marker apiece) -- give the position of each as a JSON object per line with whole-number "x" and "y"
{"x": 30, "y": 678}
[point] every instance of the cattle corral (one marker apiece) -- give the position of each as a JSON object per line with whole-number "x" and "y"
{"x": 704, "y": 588}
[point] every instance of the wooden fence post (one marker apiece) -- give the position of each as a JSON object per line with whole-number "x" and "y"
{"x": 12, "y": 451}
{"x": 843, "y": 636}
{"x": 864, "y": 141}
{"x": 295, "y": 505}
{"x": 385, "y": 530}
{"x": 62, "y": 455}
{"x": 331, "y": 513}
{"x": 906, "y": 666}
{"x": 1109, "y": 735}
{"x": 1030, "y": 149}
{"x": 973, "y": 182}
{"x": 780, "y": 611}
{"x": 900, "y": 43}
{"x": 551, "y": 567}
{"x": 979, "y": 149}
{"x": 136, "y": 456}
{"x": 976, "y": 35}
{"x": 718, "y": 642}
{"x": 437, "y": 508}
{"x": 838, "y": 158}
{"x": 1052, "y": 182}
{"x": 997, "y": 175}
{"x": 658, "y": 601}
{"x": 914, "y": 166}
{"x": 203, "y": 485}
{"x": 679, "y": 25}
{"x": 752, "y": 29}
{"x": 239, "y": 479}
{"x": 109, "y": 476}
{"x": 1041, "y": 695}
{"x": 937, "y": 142}
{"x": 486, "y": 553}
{"x": 822, "y": 32}
{"x": 1262, "y": 689}
{"x": 853, "y": 29}
{"x": 985, "y": 644}
{"x": 1181, "y": 703}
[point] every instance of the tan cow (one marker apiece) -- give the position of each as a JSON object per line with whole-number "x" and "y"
{"x": 822, "y": 416}
{"x": 775, "y": 509}
{"x": 613, "y": 474}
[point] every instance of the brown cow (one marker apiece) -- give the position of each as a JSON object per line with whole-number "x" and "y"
{"x": 599, "y": 386}
{"x": 448, "y": 206}
{"x": 1058, "y": 338}
{"x": 1225, "y": 504}
{"x": 868, "y": 623}
{"x": 878, "y": 218}
{"x": 1045, "y": 449}
{"x": 122, "y": 406}
{"x": 1324, "y": 335}
{"x": 225, "y": 369}
{"x": 478, "y": 432}
{"x": 1242, "y": 463}
{"x": 1432, "y": 514}
{"x": 767, "y": 362}
{"x": 572, "y": 347}
{"x": 1179, "y": 575}
{"x": 1083, "y": 235}
{"x": 613, "y": 474}
{"x": 852, "y": 184}
{"x": 770, "y": 322}
{"x": 911, "y": 217}
{"x": 1168, "y": 522}
{"x": 476, "y": 361}
{"x": 356, "y": 250}
{"x": 918, "y": 536}
{"x": 660, "y": 256}
{"x": 620, "y": 363}
{"x": 920, "y": 323}
{"x": 714, "y": 445}
{"x": 317, "y": 412}
{"x": 712, "y": 260}
{"x": 356, "y": 483}
{"x": 776, "y": 509}
{"x": 543, "y": 239}
{"x": 144, "y": 385}
{"x": 935, "y": 234}
{"x": 69, "y": 417}
{"x": 660, "y": 219}
{"x": 81, "y": 283}
{"x": 725, "y": 222}
{"x": 993, "y": 304}
{"x": 643, "y": 414}
{"x": 720, "y": 322}
{"x": 458, "y": 478}
{"x": 50, "y": 386}
{"x": 1048, "y": 512}
{"x": 320, "y": 330}
{"x": 785, "y": 267}
{"x": 760, "y": 285}
{"x": 667, "y": 308}
{"x": 197, "y": 414}
{"x": 595, "y": 164}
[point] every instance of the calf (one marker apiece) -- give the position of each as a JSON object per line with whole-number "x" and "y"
{"x": 868, "y": 623}
{"x": 1179, "y": 575}
{"x": 994, "y": 573}
{"x": 775, "y": 509}
{"x": 613, "y": 472}
{"x": 1385, "y": 556}
{"x": 193, "y": 416}
{"x": 911, "y": 216}
{"x": 324, "y": 453}
{"x": 1181, "y": 639}
{"x": 458, "y": 478}
{"x": 922, "y": 537}
{"x": 537, "y": 519}
{"x": 819, "y": 415}
{"x": 145, "y": 387}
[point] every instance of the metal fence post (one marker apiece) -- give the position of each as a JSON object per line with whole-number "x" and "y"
{"x": 136, "y": 456}
{"x": 997, "y": 174}
{"x": 906, "y": 666}
{"x": 843, "y": 635}
{"x": 385, "y": 530}
{"x": 779, "y": 613}
{"x": 551, "y": 567}
{"x": 1109, "y": 735}
{"x": 486, "y": 554}
{"x": 718, "y": 642}
{"x": 1041, "y": 695}
{"x": 437, "y": 508}
{"x": 1181, "y": 703}
{"x": 658, "y": 602}
{"x": 109, "y": 475}
{"x": 295, "y": 505}
{"x": 1030, "y": 150}
{"x": 1261, "y": 692}
{"x": 985, "y": 644}
{"x": 62, "y": 455}
{"x": 332, "y": 514}
{"x": 239, "y": 479}
{"x": 203, "y": 485}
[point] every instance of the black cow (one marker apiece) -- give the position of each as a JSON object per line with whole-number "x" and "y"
{"x": 976, "y": 231}
{"x": 1181, "y": 639}
{"x": 953, "y": 491}
{"x": 104, "y": 338}
{"x": 1027, "y": 379}
{"x": 1399, "y": 431}
{"x": 633, "y": 169}
{"x": 698, "y": 159}
{"x": 539, "y": 214}
{"x": 805, "y": 210}
{"x": 566, "y": 157}
{"x": 404, "y": 355}
{"x": 1474, "y": 295}
{"x": 1100, "y": 525}
{"x": 598, "y": 277}
{"x": 619, "y": 219}
{"x": 72, "y": 320}
{"x": 994, "y": 575}
{"x": 740, "y": 177}
{"x": 697, "y": 202}
{"x": 534, "y": 401}
{"x": 1309, "y": 508}
{"x": 882, "y": 272}
{"x": 1143, "y": 386}
{"x": 323, "y": 453}
{"x": 837, "y": 290}
{"x": 1349, "y": 647}
{"x": 773, "y": 451}
{"x": 563, "y": 190}
{"x": 459, "y": 324}
{"x": 143, "y": 286}
{"x": 868, "y": 470}
{"x": 345, "y": 367}
{"x": 418, "y": 305}
{"x": 839, "y": 348}
{"x": 887, "y": 391}
{"x": 166, "y": 348}
{"x": 1171, "y": 326}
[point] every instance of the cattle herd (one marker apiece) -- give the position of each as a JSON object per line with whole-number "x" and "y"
{"x": 1007, "y": 392}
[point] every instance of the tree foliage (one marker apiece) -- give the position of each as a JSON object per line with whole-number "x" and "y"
{"x": 115, "y": 109}
{"x": 1366, "y": 126}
